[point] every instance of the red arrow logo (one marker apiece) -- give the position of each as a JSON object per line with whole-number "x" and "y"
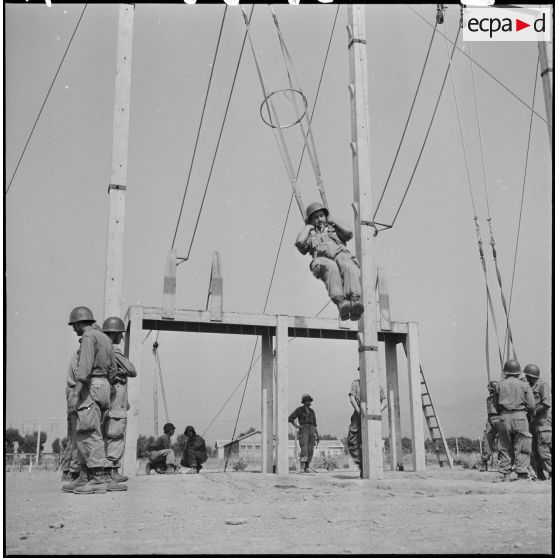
{"x": 519, "y": 25}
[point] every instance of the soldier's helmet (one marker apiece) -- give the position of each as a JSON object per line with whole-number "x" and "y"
{"x": 492, "y": 385}
{"x": 113, "y": 324}
{"x": 81, "y": 314}
{"x": 312, "y": 208}
{"x": 306, "y": 397}
{"x": 532, "y": 370}
{"x": 512, "y": 367}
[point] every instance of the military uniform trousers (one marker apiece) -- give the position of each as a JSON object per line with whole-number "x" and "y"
{"x": 163, "y": 457}
{"x": 515, "y": 443}
{"x": 115, "y": 433}
{"x": 341, "y": 275}
{"x": 541, "y": 456}
{"x": 71, "y": 458}
{"x": 307, "y": 441}
{"x": 354, "y": 439}
{"x": 491, "y": 431}
{"x": 91, "y": 416}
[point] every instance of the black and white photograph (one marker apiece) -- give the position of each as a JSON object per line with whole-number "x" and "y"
{"x": 278, "y": 278}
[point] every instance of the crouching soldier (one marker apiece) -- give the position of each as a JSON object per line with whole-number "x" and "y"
{"x": 540, "y": 423}
{"x": 326, "y": 241}
{"x": 161, "y": 454}
{"x": 195, "y": 452}
{"x": 492, "y": 425}
{"x": 115, "y": 425}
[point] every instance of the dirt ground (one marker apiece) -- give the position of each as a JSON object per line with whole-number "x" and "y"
{"x": 439, "y": 511}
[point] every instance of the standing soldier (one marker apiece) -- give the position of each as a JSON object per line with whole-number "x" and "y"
{"x": 326, "y": 240}
{"x": 307, "y": 431}
{"x": 515, "y": 401}
{"x": 354, "y": 437}
{"x": 90, "y": 398}
{"x": 492, "y": 425}
{"x": 540, "y": 423}
{"x": 114, "y": 328}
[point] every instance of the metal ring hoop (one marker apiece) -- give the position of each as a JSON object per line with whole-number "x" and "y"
{"x": 283, "y": 91}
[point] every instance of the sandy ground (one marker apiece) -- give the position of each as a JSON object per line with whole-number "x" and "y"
{"x": 439, "y": 511}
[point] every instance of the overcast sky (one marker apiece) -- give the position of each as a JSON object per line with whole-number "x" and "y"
{"x": 57, "y": 206}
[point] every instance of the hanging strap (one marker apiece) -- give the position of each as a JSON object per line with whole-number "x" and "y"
{"x": 277, "y": 133}
{"x": 157, "y": 365}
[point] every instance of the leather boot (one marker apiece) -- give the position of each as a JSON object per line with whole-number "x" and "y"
{"x": 344, "y": 307}
{"x": 302, "y": 468}
{"x": 112, "y": 485}
{"x": 116, "y": 476}
{"x": 96, "y": 485}
{"x": 78, "y": 479}
{"x": 357, "y": 308}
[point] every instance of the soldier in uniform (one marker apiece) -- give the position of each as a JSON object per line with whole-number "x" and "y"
{"x": 307, "y": 431}
{"x": 115, "y": 426}
{"x": 195, "y": 452}
{"x": 326, "y": 240}
{"x": 541, "y": 423}
{"x": 515, "y": 401}
{"x": 161, "y": 454}
{"x": 492, "y": 425}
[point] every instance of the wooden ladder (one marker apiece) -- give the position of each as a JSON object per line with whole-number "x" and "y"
{"x": 434, "y": 427}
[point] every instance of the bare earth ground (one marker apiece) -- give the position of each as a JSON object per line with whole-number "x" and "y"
{"x": 439, "y": 511}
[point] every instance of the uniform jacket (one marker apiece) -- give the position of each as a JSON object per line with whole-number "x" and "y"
{"x": 543, "y": 396}
{"x": 196, "y": 443}
{"x": 355, "y": 392}
{"x": 161, "y": 443}
{"x": 304, "y": 414}
{"x": 515, "y": 395}
{"x": 96, "y": 356}
{"x": 124, "y": 368}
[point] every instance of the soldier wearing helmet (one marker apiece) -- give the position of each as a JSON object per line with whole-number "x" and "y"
{"x": 113, "y": 328}
{"x": 90, "y": 398}
{"x": 195, "y": 451}
{"x": 515, "y": 401}
{"x": 325, "y": 239}
{"x": 161, "y": 455}
{"x": 492, "y": 425}
{"x": 540, "y": 423}
{"x": 307, "y": 431}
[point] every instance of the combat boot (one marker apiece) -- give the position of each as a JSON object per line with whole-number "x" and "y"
{"x": 78, "y": 479}
{"x": 116, "y": 476}
{"x": 96, "y": 485}
{"x": 344, "y": 307}
{"x": 112, "y": 485}
{"x": 302, "y": 468}
{"x": 484, "y": 466}
{"x": 357, "y": 308}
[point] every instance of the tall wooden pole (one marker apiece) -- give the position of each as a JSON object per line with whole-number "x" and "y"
{"x": 547, "y": 73}
{"x": 118, "y": 178}
{"x": 372, "y": 456}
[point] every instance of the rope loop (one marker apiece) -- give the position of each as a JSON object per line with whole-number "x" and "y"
{"x": 268, "y": 97}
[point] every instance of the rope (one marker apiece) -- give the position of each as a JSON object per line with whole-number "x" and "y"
{"x": 158, "y": 368}
{"x": 427, "y": 131}
{"x": 406, "y": 123}
{"x": 216, "y": 147}
{"x": 46, "y": 99}
{"x": 523, "y": 191}
{"x": 200, "y": 125}
{"x": 483, "y": 69}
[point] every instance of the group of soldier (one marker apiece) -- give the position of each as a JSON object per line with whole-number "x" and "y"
{"x": 519, "y": 424}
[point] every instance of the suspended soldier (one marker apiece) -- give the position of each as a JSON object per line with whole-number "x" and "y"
{"x": 326, "y": 240}
{"x": 540, "y": 423}
{"x": 116, "y": 421}
{"x": 161, "y": 454}
{"x": 492, "y": 425}
{"x": 354, "y": 437}
{"x": 307, "y": 432}
{"x": 195, "y": 452}
{"x": 90, "y": 398}
{"x": 515, "y": 401}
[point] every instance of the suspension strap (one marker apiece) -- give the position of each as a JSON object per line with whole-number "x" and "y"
{"x": 157, "y": 365}
{"x": 305, "y": 128}
{"x": 277, "y": 132}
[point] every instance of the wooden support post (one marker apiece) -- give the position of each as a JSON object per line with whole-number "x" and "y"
{"x": 38, "y": 447}
{"x": 267, "y": 403}
{"x": 169, "y": 286}
{"x": 282, "y": 399}
{"x": 415, "y": 398}
{"x": 215, "y": 299}
{"x": 372, "y": 456}
{"x": 383, "y": 296}
{"x": 119, "y": 173}
{"x": 132, "y": 349}
{"x": 394, "y": 412}
{"x": 547, "y": 76}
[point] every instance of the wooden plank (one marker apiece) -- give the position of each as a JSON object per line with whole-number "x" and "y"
{"x": 132, "y": 349}
{"x": 267, "y": 403}
{"x": 394, "y": 411}
{"x": 372, "y": 456}
{"x": 282, "y": 399}
{"x": 383, "y": 298}
{"x": 169, "y": 286}
{"x": 119, "y": 172}
{"x": 215, "y": 303}
{"x": 415, "y": 399}
{"x": 546, "y": 58}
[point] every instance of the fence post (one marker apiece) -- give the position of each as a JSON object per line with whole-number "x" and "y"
{"x": 38, "y": 446}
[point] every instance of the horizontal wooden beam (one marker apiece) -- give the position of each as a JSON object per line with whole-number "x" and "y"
{"x": 260, "y": 324}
